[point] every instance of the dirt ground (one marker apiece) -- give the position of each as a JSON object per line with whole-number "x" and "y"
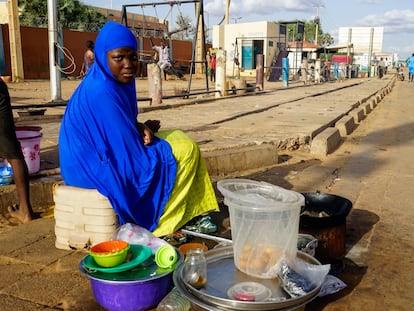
{"x": 39, "y": 91}
{"x": 373, "y": 168}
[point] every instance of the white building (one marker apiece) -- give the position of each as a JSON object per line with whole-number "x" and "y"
{"x": 362, "y": 38}
{"x": 243, "y": 41}
{"x": 365, "y": 40}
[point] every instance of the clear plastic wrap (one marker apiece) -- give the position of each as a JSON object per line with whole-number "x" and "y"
{"x": 299, "y": 278}
{"x": 135, "y": 234}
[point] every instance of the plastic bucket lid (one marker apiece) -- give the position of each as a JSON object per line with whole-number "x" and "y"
{"x": 249, "y": 291}
{"x": 258, "y": 195}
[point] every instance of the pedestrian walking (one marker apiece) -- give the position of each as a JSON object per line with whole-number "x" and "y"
{"x": 213, "y": 68}
{"x": 381, "y": 68}
{"x": 410, "y": 63}
{"x": 88, "y": 58}
{"x": 10, "y": 149}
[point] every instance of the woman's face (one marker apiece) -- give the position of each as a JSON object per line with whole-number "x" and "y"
{"x": 123, "y": 63}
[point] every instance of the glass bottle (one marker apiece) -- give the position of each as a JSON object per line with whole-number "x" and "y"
{"x": 174, "y": 301}
{"x": 195, "y": 268}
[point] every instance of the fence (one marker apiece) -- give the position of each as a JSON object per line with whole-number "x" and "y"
{"x": 35, "y": 51}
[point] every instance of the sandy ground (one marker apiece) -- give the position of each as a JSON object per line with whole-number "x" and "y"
{"x": 39, "y": 91}
{"x": 374, "y": 169}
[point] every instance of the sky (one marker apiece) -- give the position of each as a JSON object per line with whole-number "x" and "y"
{"x": 396, "y": 16}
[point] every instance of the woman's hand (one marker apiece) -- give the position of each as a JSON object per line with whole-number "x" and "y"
{"x": 146, "y": 133}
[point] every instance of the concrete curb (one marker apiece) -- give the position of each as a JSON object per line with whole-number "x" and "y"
{"x": 329, "y": 139}
{"x": 346, "y": 125}
{"x": 326, "y": 142}
{"x": 227, "y": 162}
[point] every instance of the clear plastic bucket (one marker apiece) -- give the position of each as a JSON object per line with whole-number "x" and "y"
{"x": 264, "y": 221}
{"x": 29, "y": 138}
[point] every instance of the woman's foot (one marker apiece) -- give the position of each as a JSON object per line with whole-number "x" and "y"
{"x": 18, "y": 213}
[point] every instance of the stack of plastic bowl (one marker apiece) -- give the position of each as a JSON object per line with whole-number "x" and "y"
{"x": 129, "y": 277}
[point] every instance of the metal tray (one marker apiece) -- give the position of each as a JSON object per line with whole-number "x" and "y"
{"x": 223, "y": 274}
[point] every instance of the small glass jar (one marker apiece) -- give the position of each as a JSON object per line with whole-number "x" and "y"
{"x": 195, "y": 268}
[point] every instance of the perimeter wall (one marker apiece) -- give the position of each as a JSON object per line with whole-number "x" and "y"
{"x": 35, "y": 51}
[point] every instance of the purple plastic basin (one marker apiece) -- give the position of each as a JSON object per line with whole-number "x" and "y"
{"x": 130, "y": 295}
{"x": 140, "y": 288}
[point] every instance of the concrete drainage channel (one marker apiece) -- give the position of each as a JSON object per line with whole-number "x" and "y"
{"x": 232, "y": 161}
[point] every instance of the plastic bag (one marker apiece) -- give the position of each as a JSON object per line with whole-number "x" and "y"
{"x": 299, "y": 277}
{"x": 135, "y": 234}
{"x": 331, "y": 285}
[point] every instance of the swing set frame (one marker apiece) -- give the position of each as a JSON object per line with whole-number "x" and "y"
{"x": 199, "y": 19}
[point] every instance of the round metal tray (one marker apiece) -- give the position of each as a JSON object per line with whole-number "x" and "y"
{"x": 222, "y": 274}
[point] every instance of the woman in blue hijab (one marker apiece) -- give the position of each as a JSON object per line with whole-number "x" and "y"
{"x": 157, "y": 183}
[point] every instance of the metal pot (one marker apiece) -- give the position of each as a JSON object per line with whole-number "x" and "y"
{"x": 324, "y": 217}
{"x": 324, "y": 210}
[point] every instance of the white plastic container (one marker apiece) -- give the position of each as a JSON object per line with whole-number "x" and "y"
{"x": 264, "y": 221}
{"x": 83, "y": 217}
{"x": 29, "y": 138}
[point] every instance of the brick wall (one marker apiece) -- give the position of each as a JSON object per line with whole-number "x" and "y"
{"x": 35, "y": 51}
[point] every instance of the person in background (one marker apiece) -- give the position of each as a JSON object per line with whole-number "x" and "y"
{"x": 10, "y": 149}
{"x": 381, "y": 68}
{"x": 88, "y": 58}
{"x": 410, "y": 64}
{"x": 164, "y": 61}
{"x": 213, "y": 68}
{"x": 157, "y": 180}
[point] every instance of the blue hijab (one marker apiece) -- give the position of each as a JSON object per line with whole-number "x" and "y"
{"x": 101, "y": 148}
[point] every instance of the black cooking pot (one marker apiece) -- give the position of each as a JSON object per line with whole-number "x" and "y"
{"x": 324, "y": 210}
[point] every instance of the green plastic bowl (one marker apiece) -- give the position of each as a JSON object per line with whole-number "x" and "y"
{"x": 110, "y": 253}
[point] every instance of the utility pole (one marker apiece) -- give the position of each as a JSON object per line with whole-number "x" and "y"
{"x": 227, "y": 14}
{"x": 317, "y": 21}
{"x": 200, "y": 56}
{"x": 55, "y": 82}
{"x": 15, "y": 42}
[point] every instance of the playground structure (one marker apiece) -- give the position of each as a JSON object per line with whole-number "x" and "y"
{"x": 198, "y": 62}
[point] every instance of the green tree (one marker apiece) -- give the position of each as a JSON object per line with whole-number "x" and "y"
{"x": 184, "y": 28}
{"x": 72, "y": 14}
{"x": 325, "y": 39}
{"x": 309, "y": 33}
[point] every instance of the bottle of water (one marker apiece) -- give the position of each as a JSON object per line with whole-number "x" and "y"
{"x": 174, "y": 301}
{"x": 6, "y": 172}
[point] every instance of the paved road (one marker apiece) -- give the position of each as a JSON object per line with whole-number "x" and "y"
{"x": 236, "y": 134}
{"x": 378, "y": 177}
{"x": 372, "y": 168}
